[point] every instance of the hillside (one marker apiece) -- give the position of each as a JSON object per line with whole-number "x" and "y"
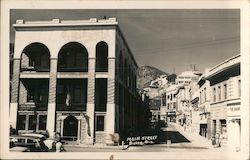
{"x": 146, "y": 74}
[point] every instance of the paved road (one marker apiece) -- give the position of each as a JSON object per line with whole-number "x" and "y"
{"x": 180, "y": 148}
{"x": 170, "y": 133}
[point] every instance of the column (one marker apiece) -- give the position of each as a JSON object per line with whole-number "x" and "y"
{"x": 27, "y": 122}
{"x": 78, "y": 130}
{"x": 91, "y": 102}
{"x": 14, "y": 93}
{"x": 62, "y": 123}
{"x": 110, "y": 114}
{"x": 52, "y": 97}
{"x": 209, "y": 126}
{"x": 218, "y": 126}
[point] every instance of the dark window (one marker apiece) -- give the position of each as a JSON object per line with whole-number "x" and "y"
{"x": 78, "y": 95}
{"x": 100, "y": 123}
{"x": 219, "y": 93}
{"x": 102, "y": 57}
{"x": 32, "y": 122}
{"x": 30, "y": 95}
{"x": 42, "y": 122}
{"x": 214, "y": 94}
{"x": 42, "y": 95}
{"x": 21, "y": 122}
{"x": 100, "y": 94}
{"x": 164, "y": 100}
{"x": 239, "y": 85}
{"x": 73, "y": 57}
{"x": 225, "y": 91}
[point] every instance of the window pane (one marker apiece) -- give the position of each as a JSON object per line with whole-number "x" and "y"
{"x": 32, "y": 122}
{"x": 21, "y": 122}
{"x": 42, "y": 122}
{"x": 100, "y": 123}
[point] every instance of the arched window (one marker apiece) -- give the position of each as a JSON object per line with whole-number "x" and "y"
{"x": 102, "y": 57}
{"x": 73, "y": 56}
{"x": 35, "y": 56}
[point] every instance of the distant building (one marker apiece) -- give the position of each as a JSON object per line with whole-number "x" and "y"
{"x": 171, "y": 102}
{"x": 77, "y": 78}
{"x": 186, "y": 77}
{"x": 154, "y": 105}
{"x": 204, "y": 107}
{"x": 225, "y": 86}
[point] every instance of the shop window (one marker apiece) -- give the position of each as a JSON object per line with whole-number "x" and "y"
{"x": 21, "y": 122}
{"x": 100, "y": 123}
{"x": 32, "y": 122}
{"x": 42, "y": 122}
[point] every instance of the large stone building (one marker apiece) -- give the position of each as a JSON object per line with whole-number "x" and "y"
{"x": 77, "y": 78}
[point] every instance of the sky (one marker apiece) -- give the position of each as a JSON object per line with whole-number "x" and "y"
{"x": 172, "y": 40}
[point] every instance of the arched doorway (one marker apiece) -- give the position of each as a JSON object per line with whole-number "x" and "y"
{"x": 70, "y": 128}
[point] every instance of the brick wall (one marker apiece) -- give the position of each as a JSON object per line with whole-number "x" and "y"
{"x": 100, "y": 137}
{"x": 83, "y": 130}
{"x": 25, "y": 61}
{"x": 52, "y": 81}
{"x": 15, "y": 81}
{"x": 22, "y": 94}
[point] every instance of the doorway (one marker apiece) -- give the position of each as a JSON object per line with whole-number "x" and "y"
{"x": 70, "y": 128}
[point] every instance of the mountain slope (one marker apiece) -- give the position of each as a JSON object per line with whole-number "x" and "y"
{"x": 146, "y": 74}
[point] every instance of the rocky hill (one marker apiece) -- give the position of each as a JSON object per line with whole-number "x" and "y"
{"x": 146, "y": 74}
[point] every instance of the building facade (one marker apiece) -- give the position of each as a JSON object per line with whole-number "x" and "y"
{"x": 204, "y": 107}
{"x": 77, "y": 78}
{"x": 225, "y": 87}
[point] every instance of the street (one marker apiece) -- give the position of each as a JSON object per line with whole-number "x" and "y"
{"x": 179, "y": 148}
{"x": 178, "y": 142}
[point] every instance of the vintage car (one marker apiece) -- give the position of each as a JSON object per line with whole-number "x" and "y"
{"x": 33, "y": 144}
{"x": 14, "y": 148}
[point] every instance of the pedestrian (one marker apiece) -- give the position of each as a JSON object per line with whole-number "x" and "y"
{"x": 213, "y": 141}
{"x": 218, "y": 140}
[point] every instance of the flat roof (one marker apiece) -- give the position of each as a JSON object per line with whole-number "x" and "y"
{"x": 65, "y": 23}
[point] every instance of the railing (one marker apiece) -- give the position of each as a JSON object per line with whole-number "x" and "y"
{"x": 72, "y": 69}
{"x": 71, "y": 107}
{"x": 33, "y": 107}
{"x": 37, "y": 69}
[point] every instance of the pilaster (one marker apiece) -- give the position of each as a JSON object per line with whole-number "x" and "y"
{"x": 52, "y": 97}
{"x": 14, "y": 93}
{"x": 91, "y": 102}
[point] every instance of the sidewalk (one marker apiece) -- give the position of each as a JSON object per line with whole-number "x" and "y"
{"x": 98, "y": 146}
{"x": 195, "y": 139}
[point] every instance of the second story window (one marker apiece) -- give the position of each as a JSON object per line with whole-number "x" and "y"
{"x": 219, "y": 93}
{"x": 225, "y": 91}
{"x": 239, "y": 86}
{"x": 214, "y": 95}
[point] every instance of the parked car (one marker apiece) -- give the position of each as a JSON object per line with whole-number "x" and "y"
{"x": 14, "y": 148}
{"x": 33, "y": 144}
{"x": 49, "y": 142}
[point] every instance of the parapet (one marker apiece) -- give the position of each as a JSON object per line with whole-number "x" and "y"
{"x": 58, "y": 22}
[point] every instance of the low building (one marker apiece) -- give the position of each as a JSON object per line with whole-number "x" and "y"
{"x": 77, "y": 78}
{"x": 225, "y": 85}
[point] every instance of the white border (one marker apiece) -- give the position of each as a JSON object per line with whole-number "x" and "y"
{"x": 6, "y": 5}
